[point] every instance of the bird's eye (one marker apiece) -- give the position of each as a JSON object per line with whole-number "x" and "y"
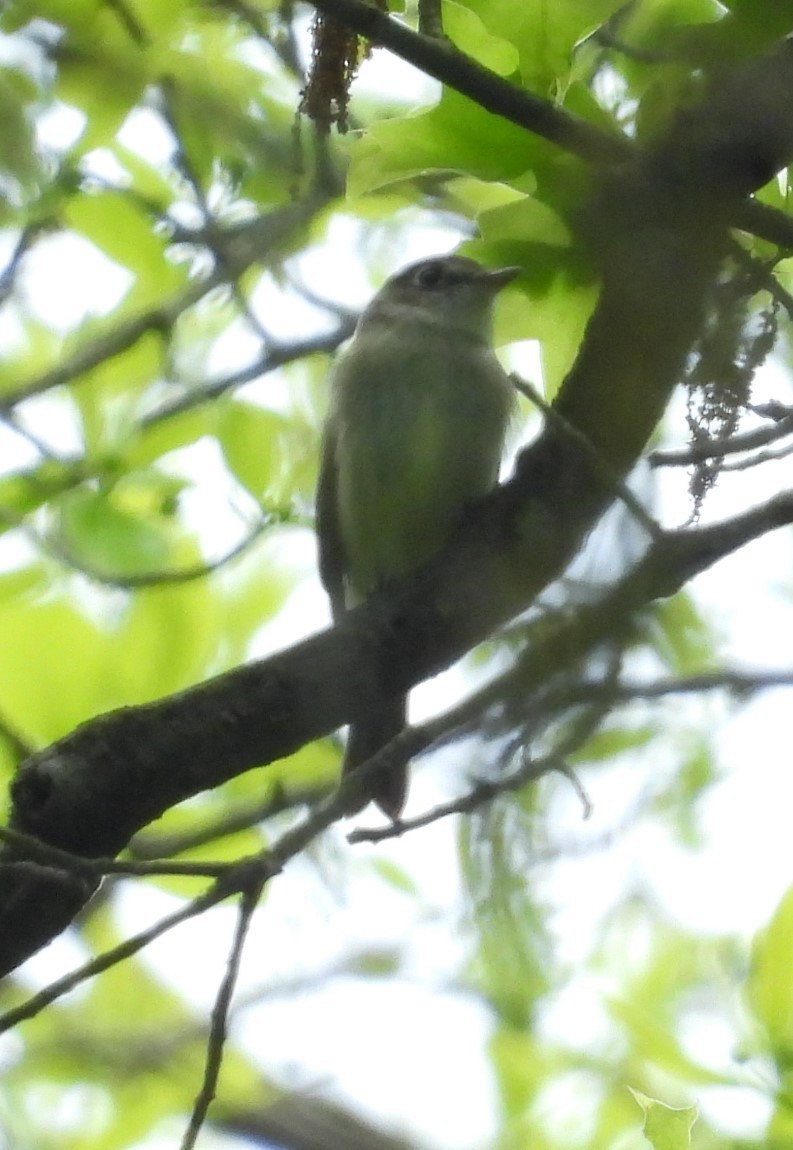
{"x": 430, "y": 275}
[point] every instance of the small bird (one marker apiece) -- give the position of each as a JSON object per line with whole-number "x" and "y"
{"x": 418, "y": 413}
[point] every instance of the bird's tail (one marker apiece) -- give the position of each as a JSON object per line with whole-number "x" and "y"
{"x": 389, "y": 786}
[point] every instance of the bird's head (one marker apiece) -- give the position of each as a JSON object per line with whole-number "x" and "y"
{"x": 451, "y": 292}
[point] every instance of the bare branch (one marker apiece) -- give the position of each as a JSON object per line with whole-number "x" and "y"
{"x": 219, "y": 1020}
{"x": 640, "y": 513}
{"x": 245, "y": 250}
{"x": 159, "y": 844}
{"x": 129, "y": 947}
{"x": 736, "y": 444}
{"x": 275, "y": 357}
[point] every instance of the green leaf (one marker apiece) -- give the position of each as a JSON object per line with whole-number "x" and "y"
{"x": 26, "y": 491}
{"x": 109, "y": 396}
{"x": 665, "y": 1127}
{"x": 37, "y": 349}
{"x": 526, "y": 220}
{"x": 18, "y": 158}
{"x": 150, "y": 442}
{"x": 545, "y": 35}
{"x": 396, "y": 876}
{"x": 521, "y": 1065}
{"x": 124, "y": 232}
{"x": 770, "y": 984}
{"x": 551, "y": 303}
{"x": 468, "y": 33}
{"x": 656, "y": 1041}
{"x": 680, "y": 635}
{"x": 256, "y": 445}
{"x": 107, "y": 538}
{"x": 14, "y": 584}
{"x": 611, "y": 741}
{"x": 457, "y": 137}
{"x": 170, "y": 635}
{"x": 63, "y": 679}
{"x": 102, "y": 70}
{"x": 148, "y": 182}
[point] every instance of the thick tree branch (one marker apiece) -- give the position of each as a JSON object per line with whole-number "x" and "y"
{"x": 305, "y": 1122}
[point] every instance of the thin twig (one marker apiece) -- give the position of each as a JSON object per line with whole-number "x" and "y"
{"x": 185, "y": 164}
{"x": 713, "y": 449}
{"x": 27, "y": 237}
{"x": 136, "y": 942}
{"x": 62, "y": 862}
{"x": 160, "y": 844}
{"x": 483, "y": 792}
{"x": 130, "y": 22}
{"x": 219, "y": 1019}
{"x": 770, "y": 455}
{"x": 275, "y": 357}
{"x": 246, "y": 246}
{"x": 623, "y": 492}
{"x": 113, "y": 342}
{"x": 58, "y": 550}
{"x": 243, "y": 876}
{"x": 736, "y": 681}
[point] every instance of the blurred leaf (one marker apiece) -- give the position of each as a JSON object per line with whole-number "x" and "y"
{"x": 680, "y": 635}
{"x": 521, "y": 1065}
{"x": 396, "y": 876}
{"x": 34, "y": 351}
{"x": 526, "y": 220}
{"x": 510, "y": 966}
{"x": 107, "y": 538}
{"x": 454, "y": 137}
{"x": 110, "y": 395}
{"x": 770, "y": 983}
{"x": 45, "y": 697}
{"x": 170, "y": 635}
{"x": 152, "y": 441}
{"x": 659, "y": 1045}
{"x": 665, "y": 1127}
{"x": 255, "y": 443}
{"x": 19, "y": 164}
{"x": 469, "y": 34}
{"x": 609, "y": 742}
{"x": 118, "y": 227}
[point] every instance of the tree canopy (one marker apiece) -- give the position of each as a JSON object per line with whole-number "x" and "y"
{"x": 196, "y": 199}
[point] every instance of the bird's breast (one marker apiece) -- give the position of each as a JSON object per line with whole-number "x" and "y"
{"x": 420, "y": 427}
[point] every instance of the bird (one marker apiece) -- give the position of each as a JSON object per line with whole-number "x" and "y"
{"x": 418, "y": 413}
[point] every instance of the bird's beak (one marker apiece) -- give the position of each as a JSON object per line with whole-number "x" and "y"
{"x": 498, "y": 278}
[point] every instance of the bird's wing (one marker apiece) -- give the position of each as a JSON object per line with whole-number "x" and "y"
{"x": 331, "y": 549}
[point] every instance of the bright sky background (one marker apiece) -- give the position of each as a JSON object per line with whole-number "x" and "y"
{"x": 348, "y": 1037}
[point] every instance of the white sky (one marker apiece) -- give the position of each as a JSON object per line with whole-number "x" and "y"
{"x": 358, "y": 1041}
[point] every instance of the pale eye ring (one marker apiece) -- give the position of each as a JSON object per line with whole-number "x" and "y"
{"x": 430, "y": 275}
